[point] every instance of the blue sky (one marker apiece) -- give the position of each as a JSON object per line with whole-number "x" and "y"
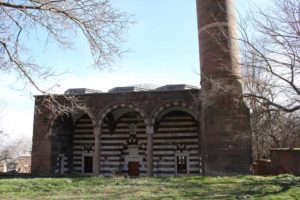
{"x": 164, "y": 50}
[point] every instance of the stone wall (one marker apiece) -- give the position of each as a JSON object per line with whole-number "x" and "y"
{"x": 150, "y": 106}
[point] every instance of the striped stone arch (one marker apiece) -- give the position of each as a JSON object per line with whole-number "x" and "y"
{"x": 181, "y": 105}
{"x": 74, "y": 117}
{"x": 113, "y": 107}
{"x": 83, "y": 112}
{"x": 51, "y": 123}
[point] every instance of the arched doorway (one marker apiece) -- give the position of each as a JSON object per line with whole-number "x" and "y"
{"x": 176, "y": 149}
{"x": 123, "y": 143}
{"x": 83, "y": 146}
{"x": 61, "y": 145}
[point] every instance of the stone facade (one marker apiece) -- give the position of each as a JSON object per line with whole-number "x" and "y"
{"x": 282, "y": 161}
{"x": 158, "y": 130}
{"x": 285, "y": 161}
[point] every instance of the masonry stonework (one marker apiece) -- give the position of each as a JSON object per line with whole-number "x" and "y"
{"x": 152, "y": 128}
{"x": 171, "y": 131}
{"x": 226, "y": 132}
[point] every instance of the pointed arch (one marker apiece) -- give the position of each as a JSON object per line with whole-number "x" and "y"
{"x": 166, "y": 107}
{"x": 74, "y": 116}
{"x": 176, "y": 139}
{"x": 129, "y": 106}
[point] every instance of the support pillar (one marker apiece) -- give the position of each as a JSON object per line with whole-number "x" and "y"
{"x": 96, "y": 163}
{"x": 149, "y": 132}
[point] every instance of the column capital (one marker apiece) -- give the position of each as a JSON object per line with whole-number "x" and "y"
{"x": 97, "y": 130}
{"x": 149, "y": 129}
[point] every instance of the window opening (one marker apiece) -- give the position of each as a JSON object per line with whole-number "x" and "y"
{"x": 181, "y": 164}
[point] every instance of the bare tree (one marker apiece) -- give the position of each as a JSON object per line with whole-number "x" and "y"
{"x": 274, "y": 52}
{"x": 11, "y": 153}
{"x": 4, "y": 153}
{"x": 270, "y": 128}
{"x": 270, "y": 41}
{"x": 20, "y": 147}
{"x": 97, "y": 20}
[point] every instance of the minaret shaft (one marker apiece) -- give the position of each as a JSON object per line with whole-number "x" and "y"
{"x": 218, "y": 47}
{"x": 225, "y": 121}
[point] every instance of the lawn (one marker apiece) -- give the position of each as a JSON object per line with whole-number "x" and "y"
{"x": 238, "y": 187}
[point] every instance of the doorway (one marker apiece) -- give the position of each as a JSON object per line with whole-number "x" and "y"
{"x": 134, "y": 169}
{"x": 88, "y": 164}
{"x": 181, "y": 164}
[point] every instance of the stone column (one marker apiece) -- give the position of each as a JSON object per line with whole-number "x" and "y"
{"x": 149, "y": 132}
{"x": 96, "y": 163}
{"x": 62, "y": 164}
{"x": 225, "y": 131}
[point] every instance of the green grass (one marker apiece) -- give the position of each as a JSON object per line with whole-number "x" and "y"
{"x": 238, "y": 187}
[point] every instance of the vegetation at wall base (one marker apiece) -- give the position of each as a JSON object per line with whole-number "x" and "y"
{"x": 237, "y": 187}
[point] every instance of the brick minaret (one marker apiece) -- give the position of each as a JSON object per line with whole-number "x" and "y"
{"x": 226, "y": 133}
